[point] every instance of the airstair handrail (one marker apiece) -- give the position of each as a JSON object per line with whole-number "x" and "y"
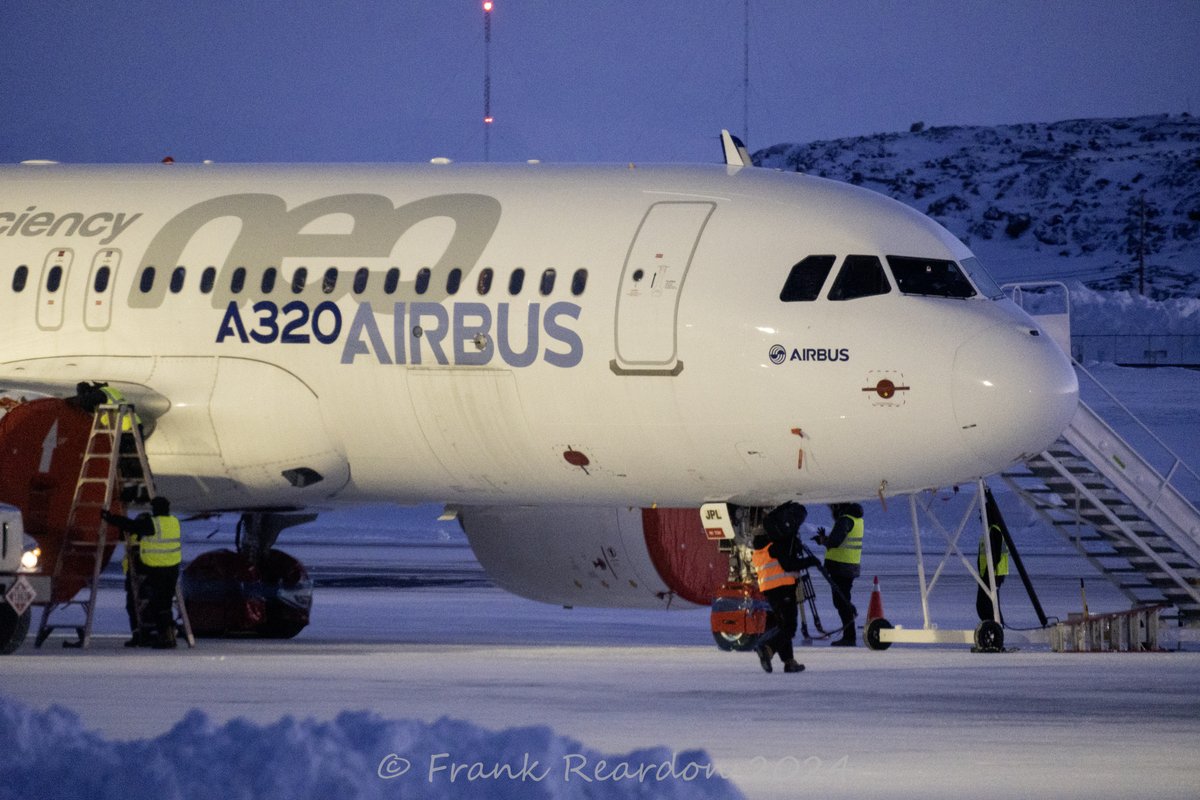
{"x": 1179, "y": 462}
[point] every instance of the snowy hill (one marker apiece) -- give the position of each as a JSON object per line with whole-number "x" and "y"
{"x": 1073, "y": 200}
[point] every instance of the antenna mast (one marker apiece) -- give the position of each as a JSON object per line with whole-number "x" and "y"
{"x": 487, "y": 79}
{"x": 746, "y": 75}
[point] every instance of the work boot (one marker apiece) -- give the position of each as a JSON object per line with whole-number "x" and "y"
{"x": 765, "y": 654}
{"x": 847, "y": 640}
{"x": 792, "y": 666}
{"x": 164, "y": 642}
{"x": 135, "y": 640}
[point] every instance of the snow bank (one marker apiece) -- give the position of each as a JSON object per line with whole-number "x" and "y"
{"x": 356, "y": 755}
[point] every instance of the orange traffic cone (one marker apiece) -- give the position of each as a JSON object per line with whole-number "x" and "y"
{"x": 875, "y": 609}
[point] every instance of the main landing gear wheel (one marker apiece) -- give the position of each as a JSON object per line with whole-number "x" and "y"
{"x": 989, "y": 637}
{"x": 872, "y": 634}
{"x": 740, "y": 642}
{"x": 13, "y": 627}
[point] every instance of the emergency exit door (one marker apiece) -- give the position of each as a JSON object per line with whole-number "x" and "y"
{"x": 651, "y": 285}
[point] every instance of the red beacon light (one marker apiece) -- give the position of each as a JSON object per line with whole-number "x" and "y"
{"x": 487, "y": 6}
{"x": 487, "y": 120}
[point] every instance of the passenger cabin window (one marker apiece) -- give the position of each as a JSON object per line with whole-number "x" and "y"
{"x": 391, "y": 280}
{"x": 422, "y": 280}
{"x": 578, "y": 282}
{"x": 484, "y": 284}
{"x": 268, "y": 280}
{"x": 177, "y": 278}
{"x": 19, "y": 278}
{"x": 931, "y": 277}
{"x": 805, "y": 280}
{"x": 100, "y": 284}
{"x": 516, "y": 281}
{"x": 360, "y": 280}
{"x": 54, "y": 279}
{"x": 299, "y": 280}
{"x": 208, "y": 279}
{"x": 860, "y": 276}
{"x": 237, "y": 281}
{"x": 547, "y": 285}
{"x": 329, "y": 282}
{"x": 453, "y": 281}
{"x": 147, "y": 282}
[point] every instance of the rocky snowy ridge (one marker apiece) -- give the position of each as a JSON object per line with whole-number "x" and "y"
{"x": 1074, "y": 200}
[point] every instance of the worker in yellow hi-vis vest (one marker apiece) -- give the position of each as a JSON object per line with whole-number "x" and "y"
{"x": 157, "y": 536}
{"x": 843, "y": 554}
{"x": 983, "y": 600}
{"x": 89, "y": 397}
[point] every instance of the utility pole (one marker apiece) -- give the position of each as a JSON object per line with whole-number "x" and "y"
{"x": 1142, "y": 245}
{"x": 487, "y": 79}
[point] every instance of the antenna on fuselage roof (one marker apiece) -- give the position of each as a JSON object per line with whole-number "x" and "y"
{"x": 735, "y": 152}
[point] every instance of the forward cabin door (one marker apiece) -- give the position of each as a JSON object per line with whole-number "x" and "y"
{"x": 651, "y": 285}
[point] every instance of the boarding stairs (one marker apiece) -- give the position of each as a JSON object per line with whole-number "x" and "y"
{"x": 1119, "y": 512}
{"x": 107, "y": 470}
{"x": 1119, "y": 504}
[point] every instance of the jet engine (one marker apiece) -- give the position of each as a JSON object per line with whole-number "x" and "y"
{"x": 598, "y": 556}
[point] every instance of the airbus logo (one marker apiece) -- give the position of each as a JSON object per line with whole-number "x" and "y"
{"x": 779, "y": 354}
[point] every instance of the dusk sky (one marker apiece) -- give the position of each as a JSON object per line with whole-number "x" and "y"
{"x": 613, "y": 80}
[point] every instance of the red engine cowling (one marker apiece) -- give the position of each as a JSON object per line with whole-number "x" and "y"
{"x": 598, "y": 556}
{"x": 41, "y": 453}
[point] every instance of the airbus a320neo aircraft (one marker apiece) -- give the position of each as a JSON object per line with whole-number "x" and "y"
{"x": 566, "y": 356}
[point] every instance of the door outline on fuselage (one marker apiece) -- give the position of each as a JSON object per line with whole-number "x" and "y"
{"x": 52, "y": 302}
{"x": 97, "y": 309}
{"x": 645, "y": 339}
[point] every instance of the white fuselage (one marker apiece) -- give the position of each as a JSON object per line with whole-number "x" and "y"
{"x": 674, "y": 376}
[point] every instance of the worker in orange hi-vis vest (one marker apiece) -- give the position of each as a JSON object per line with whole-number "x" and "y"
{"x": 776, "y": 556}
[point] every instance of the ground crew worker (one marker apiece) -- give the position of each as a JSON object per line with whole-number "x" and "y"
{"x": 157, "y": 562}
{"x": 776, "y": 552}
{"x": 983, "y": 599}
{"x": 843, "y": 554}
{"x": 129, "y": 465}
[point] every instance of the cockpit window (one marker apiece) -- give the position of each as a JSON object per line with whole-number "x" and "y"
{"x": 930, "y": 276}
{"x": 805, "y": 280}
{"x": 860, "y": 276}
{"x": 982, "y": 280}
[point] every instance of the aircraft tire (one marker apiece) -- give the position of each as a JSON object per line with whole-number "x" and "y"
{"x": 13, "y": 628}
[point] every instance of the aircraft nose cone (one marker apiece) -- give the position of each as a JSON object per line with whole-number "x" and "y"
{"x": 1014, "y": 393}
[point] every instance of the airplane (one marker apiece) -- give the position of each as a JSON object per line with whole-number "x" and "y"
{"x": 572, "y": 358}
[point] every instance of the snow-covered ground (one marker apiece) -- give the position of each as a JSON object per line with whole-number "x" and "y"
{"x": 414, "y": 663}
